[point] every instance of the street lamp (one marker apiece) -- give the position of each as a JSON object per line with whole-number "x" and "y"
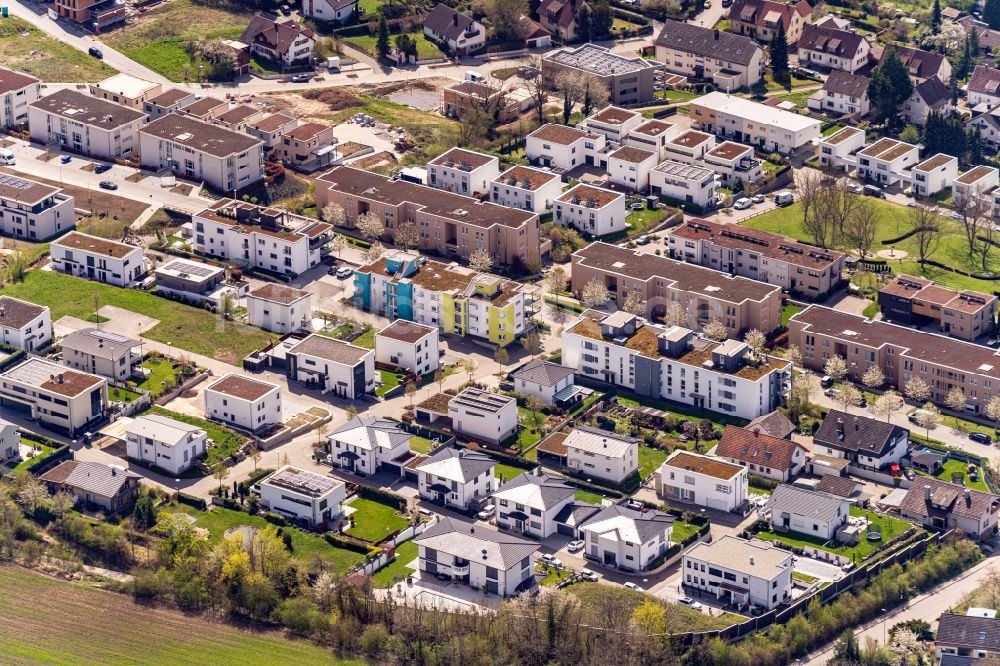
{"x": 883, "y": 628}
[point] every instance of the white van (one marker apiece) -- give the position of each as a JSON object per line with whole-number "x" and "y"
{"x": 784, "y": 198}
{"x": 7, "y": 157}
{"x": 475, "y": 76}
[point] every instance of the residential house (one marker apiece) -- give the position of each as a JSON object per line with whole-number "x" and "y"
{"x": 99, "y": 259}
{"x": 559, "y": 18}
{"x": 865, "y": 442}
{"x": 653, "y": 135}
{"x": 10, "y": 441}
{"x": 690, "y": 147}
{"x": 630, "y": 168}
{"x": 365, "y": 445}
{"x": 96, "y": 15}
{"x": 410, "y": 346}
{"x": 733, "y": 164}
{"x": 271, "y": 129}
{"x": 34, "y": 211}
{"x": 126, "y": 90}
{"x": 601, "y": 454}
{"x": 562, "y": 147}
{"x": 744, "y": 572}
{"x": 941, "y": 505}
{"x": 529, "y": 504}
{"x": 796, "y": 267}
{"x": 307, "y": 147}
{"x": 685, "y": 184}
{"x": 916, "y": 301}
{"x": 591, "y": 209}
{"x": 629, "y": 79}
{"x": 544, "y": 380}
{"x": 618, "y": 536}
{"x": 839, "y": 150}
{"x": 762, "y": 454}
{"x": 465, "y": 172}
{"x": 248, "y": 404}
{"x": 887, "y": 161}
{"x": 25, "y": 325}
{"x": 164, "y": 442}
{"x": 112, "y": 488}
{"x": 764, "y": 127}
{"x": 987, "y": 38}
{"x": 100, "y": 353}
{"x": 94, "y": 127}
{"x": 967, "y": 636}
{"x": 615, "y": 123}
{"x": 457, "y": 31}
{"x": 534, "y": 34}
{"x": 239, "y": 117}
{"x": 983, "y": 87}
{"x": 921, "y": 65}
{"x": 689, "y": 478}
{"x": 483, "y": 416}
{"x": 759, "y": 19}
{"x": 928, "y": 95}
{"x": 460, "y": 478}
{"x": 815, "y": 514}
{"x": 979, "y": 182}
{"x": 17, "y": 91}
{"x": 58, "y": 398}
{"x": 842, "y": 94}
{"x": 729, "y": 60}
{"x": 464, "y": 100}
{"x": 195, "y": 282}
{"x": 304, "y": 497}
{"x": 281, "y": 42}
{"x": 774, "y": 424}
{"x": 526, "y": 189}
{"x": 826, "y": 47}
{"x": 491, "y": 561}
{"x": 321, "y": 362}
{"x": 842, "y": 486}
{"x": 933, "y": 175}
{"x": 675, "y": 364}
{"x": 168, "y": 101}
{"x": 205, "y": 108}
{"x": 340, "y": 11}
{"x": 279, "y": 309}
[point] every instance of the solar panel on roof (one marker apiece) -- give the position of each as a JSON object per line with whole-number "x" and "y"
{"x": 14, "y": 181}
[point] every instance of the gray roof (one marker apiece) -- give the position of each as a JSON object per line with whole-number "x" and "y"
{"x": 717, "y": 44}
{"x": 774, "y": 424}
{"x": 802, "y": 502}
{"x": 476, "y": 543}
{"x": 376, "y": 431}
{"x": 550, "y": 490}
{"x": 99, "y": 343}
{"x": 837, "y": 485}
{"x": 94, "y": 111}
{"x": 969, "y": 631}
{"x": 470, "y": 463}
{"x": 448, "y": 23}
{"x": 92, "y": 477}
{"x": 329, "y": 349}
{"x": 647, "y": 524}
{"x": 576, "y": 514}
{"x": 543, "y": 373}
{"x": 15, "y": 313}
{"x": 851, "y": 432}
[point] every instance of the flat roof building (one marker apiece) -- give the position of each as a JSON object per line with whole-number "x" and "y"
{"x": 629, "y": 78}
{"x": 62, "y": 399}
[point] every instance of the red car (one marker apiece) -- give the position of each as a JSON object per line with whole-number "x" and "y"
{"x": 894, "y": 470}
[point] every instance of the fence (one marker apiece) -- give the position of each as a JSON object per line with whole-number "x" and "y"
{"x": 379, "y": 561}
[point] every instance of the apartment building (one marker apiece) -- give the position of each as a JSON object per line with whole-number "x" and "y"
{"x": 126, "y": 90}
{"x": 917, "y": 301}
{"x": 842, "y": 94}
{"x": 304, "y": 497}
{"x": 672, "y": 363}
{"x": 271, "y": 239}
{"x": 449, "y": 297}
{"x": 653, "y": 135}
{"x": 248, "y": 404}
{"x": 58, "y": 398}
{"x": 99, "y": 259}
{"x": 453, "y": 225}
{"x": 590, "y": 209}
{"x": 804, "y": 270}
{"x": 332, "y": 366}
{"x": 87, "y": 125}
{"x": 205, "y": 108}
{"x": 602, "y": 454}
{"x": 271, "y": 129}
{"x": 526, "y": 189}
{"x": 684, "y": 183}
{"x": 827, "y": 47}
{"x": 630, "y": 167}
{"x": 164, "y": 442}
{"x": 838, "y": 151}
{"x": 25, "y": 325}
{"x": 902, "y": 354}
{"x": 703, "y": 294}
{"x": 729, "y": 60}
{"x": 279, "y": 309}
{"x": 887, "y": 161}
{"x": 239, "y": 117}
{"x": 629, "y": 79}
{"x": 933, "y": 175}
{"x": 464, "y": 172}
{"x": 100, "y": 353}
{"x": 562, "y": 147}
{"x": 978, "y": 182}
{"x": 198, "y": 150}
{"x": 17, "y": 91}
{"x": 734, "y": 163}
{"x": 34, "y": 211}
{"x": 743, "y": 572}
{"x": 690, "y": 147}
{"x": 307, "y": 147}
{"x": 760, "y": 19}
{"x": 168, "y": 101}
{"x": 690, "y": 478}
{"x": 767, "y": 128}
{"x": 410, "y": 346}
{"x": 613, "y": 122}
{"x": 467, "y": 99}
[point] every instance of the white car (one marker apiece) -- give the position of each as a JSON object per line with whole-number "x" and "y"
{"x": 631, "y": 586}
{"x": 574, "y": 546}
{"x": 688, "y": 601}
{"x": 742, "y": 203}
{"x": 587, "y": 574}
{"x": 551, "y": 560}
{"x": 486, "y": 512}
{"x": 345, "y": 272}
{"x": 758, "y": 198}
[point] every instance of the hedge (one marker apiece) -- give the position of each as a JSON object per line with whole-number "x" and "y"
{"x": 48, "y": 462}
{"x": 16, "y": 356}
{"x": 191, "y": 500}
{"x": 337, "y": 541}
{"x": 275, "y": 519}
{"x": 761, "y": 482}
{"x": 254, "y": 478}
{"x": 383, "y": 497}
{"x": 594, "y": 488}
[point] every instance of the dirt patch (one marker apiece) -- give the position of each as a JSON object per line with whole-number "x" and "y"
{"x": 335, "y": 99}
{"x": 89, "y": 167}
{"x": 348, "y": 148}
{"x": 136, "y": 177}
{"x": 376, "y": 161}
{"x": 386, "y": 89}
{"x": 182, "y": 188}
{"x": 99, "y": 201}
{"x": 47, "y": 157}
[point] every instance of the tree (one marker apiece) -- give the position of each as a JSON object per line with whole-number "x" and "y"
{"x": 555, "y": 281}
{"x": 873, "y": 377}
{"x": 779, "y": 54}
{"x": 17, "y": 265}
{"x": 227, "y": 305}
{"x": 382, "y": 41}
{"x": 955, "y": 400}
{"x": 675, "y": 315}
{"x": 501, "y": 357}
{"x": 409, "y": 391}
{"x": 591, "y": 92}
{"x": 254, "y": 455}
{"x": 469, "y": 365}
{"x": 633, "y": 304}
{"x": 975, "y": 209}
{"x": 808, "y": 183}
{"x": 926, "y": 232}
{"x": 370, "y": 225}
{"x": 439, "y": 379}
{"x": 594, "y": 294}
{"x": 143, "y": 513}
{"x": 835, "y": 368}
{"x": 715, "y": 330}
{"x": 220, "y": 472}
{"x": 481, "y": 260}
{"x": 536, "y": 85}
{"x": 929, "y": 418}
{"x": 861, "y": 226}
{"x": 848, "y": 396}
{"x": 917, "y": 390}
{"x": 334, "y": 213}
{"x": 407, "y": 46}
{"x": 974, "y": 146}
{"x": 993, "y": 410}
{"x": 532, "y": 344}
{"x": 374, "y": 252}
{"x": 846, "y": 648}
{"x": 936, "y": 16}
{"x": 887, "y": 404}
{"x": 504, "y": 16}
{"x": 888, "y": 88}
{"x": 756, "y": 340}
{"x": 534, "y": 405}
{"x": 584, "y": 29}
{"x": 406, "y": 236}
{"x": 601, "y": 18}
{"x": 338, "y": 244}
{"x": 910, "y": 134}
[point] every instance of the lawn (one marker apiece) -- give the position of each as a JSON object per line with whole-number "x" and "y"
{"x": 366, "y": 339}
{"x": 553, "y": 576}
{"x": 390, "y": 380}
{"x": 832, "y": 129}
{"x": 649, "y": 460}
{"x": 680, "y": 411}
{"x": 162, "y": 373}
{"x": 42, "y": 56}
{"x": 506, "y": 472}
{"x": 159, "y": 37}
{"x": 891, "y": 527}
{"x": 374, "y": 521}
{"x": 594, "y": 600}
{"x": 406, "y": 552}
{"x": 116, "y": 394}
{"x": 226, "y": 441}
{"x": 682, "y": 530}
{"x": 959, "y": 467}
{"x": 50, "y": 621}
{"x": 787, "y": 312}
{"x": 421, "y": 444}
{"x": 588, "y": 497}
{"x": 43, "y": 452}
{"x": 426, "y": 49}
{"x": 641, "y": 221}
{"x": 305, "y": 545}
{"x": 675, "y": 95}
{"x": 183, "y": 326}
{"x": 893, "y": 223}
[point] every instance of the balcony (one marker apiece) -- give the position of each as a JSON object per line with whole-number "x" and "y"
{"x": 460, "y": 569}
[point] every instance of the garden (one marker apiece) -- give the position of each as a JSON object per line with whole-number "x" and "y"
{"x": 164, "y": 374}
{"x": 396, "y": 570}
{"x": 225, "y": 441}
{"x": 374, "y": 521}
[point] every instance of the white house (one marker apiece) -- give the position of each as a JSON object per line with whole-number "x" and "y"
{"x": 100, "y": 353}
{"x": 330, "y": 10}
{"x": 529, "y": 504}
{"x": 685, "y": 183}
{"x": 410, "y": 346}
{"x": 34, "y": 211}
{"x": 59, "y": 398}
{"x": 10, "y": 440}
{"x": 618, "y": 536}
{"x": 629, "y": 167}
{"x": 491, "y": 561}
{"x": 865, "y": 442}
{"x": 305, "y": 497}
{"x": 602, "y": 454}
{"x": 594, "y": 210}
{"x": 25, "y": 325}
{"x": 983, "y": 87}
{"x": 250, "y": 404}
{"x": 653, "y": 135}
{"x": 827, "y": 47}
{"x": 695, "y": 479}
{"x": 365, "y": 445}
{"x": 526, "y": 189}
{"x": 279, "y": 309}
{"x": 458, "y": 31}
{"x": 816, "y": 514}
{"x": 886, "y": 161}
{"x": 934, "y": 174}
{"x": 565, "y": 147}
{"x": 463, "y": 171}
{"x": 928, "y": 95}
{"x": 767, "y": 128}
{"x": 613, "y": 122}
{"x": 733, "y": 162}
{"x": 740, "y": 571}
{"x": 87, "y": 125}
{"x": 456, "y": 477}
{"x": 280, "y": 41}
{"x": 333, "y": 366}
{"x": 196, "y": 282}
{"x": 838, "y": 150}
{"x": 99, "y": 259}
{"x": 542, "y": 379}
{"x": 762, "y": 454}
{"x": 689, "y": 147}
{"x": 482, "y": 415}
{"x": 17, "y": 91}
{"x": 842, "y": 94}
{"x": 167, "y": 443}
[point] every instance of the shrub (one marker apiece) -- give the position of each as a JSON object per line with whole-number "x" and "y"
{"x": 383, "y": 497}
{"x": 275, "y": 519}
{"x": 193, "y": 501}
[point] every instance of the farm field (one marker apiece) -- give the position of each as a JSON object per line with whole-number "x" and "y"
{"x": 27, "y": 49}
{"x": 57, "y": 622}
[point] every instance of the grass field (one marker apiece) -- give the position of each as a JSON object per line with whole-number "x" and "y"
{"x": 52, "y": 60}
{"x": 374, "y": 521}
{"x": 682, "y": 530}
{"x": 678, "y": 618}
{"x": 421, "y": 444}
{"x": 893, "y": 223}
{"x": 649, "y": 460}
{"x": 406, "y": 552}
{"x": 157, "y": 39}
{"x": 43, "y": 452}
{"x": 226, "y": 441}
{"x": 958, "y": 467}
{"x": 390, "y": 380}
{"x": 162, "y": 372}
{"x": 507, "y": 472}
{"x": 426, "y": 49}
{"x": 588, "y": 497}
{"x": 891, "y": 527}
{"x": 182, "y": 326}
{"x": 48, "y": 621}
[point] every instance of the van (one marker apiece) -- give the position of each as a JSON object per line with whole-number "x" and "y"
{"x": 872, "y": 191}
{"x": 475, "y": 76}
{"x": 826, "y": 381}
{"x": 7, "y": 157}
{"x": 783, "y": 198}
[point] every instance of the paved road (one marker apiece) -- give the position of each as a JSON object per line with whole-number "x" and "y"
{"x": 710, "y": 15}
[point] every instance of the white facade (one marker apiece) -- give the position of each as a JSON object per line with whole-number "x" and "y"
{"x": 602, "y": 454}
{"x": 542, "y": 380}
{"x": 744, "y": 121}
{"x": 464, "y": 172}
{"x": 684, "y": 183}
{"x": 334, "y": 366}
{"x": 456, "y": 477}
{"x": 629, "y": 167}
{"x": 482, "y": 415}
{"x": 329, "y": 10}
{"x": 741, "y": 571}
{"x": 816, "y": 514}
{"x": 733, "y": 162}
{"x": 594, "y": 210}
{"x": 564, "y": 147}
{"x": 653, "y": 135}
{"x": 99, "y": 259}
{"x": 17, "y": 91}
{"x": 613, "y": 122}
{"x": 363, "y": 444}
{"x": 626, "y": 538}
{"x": 34, "y": 211}
{"x": 10, "y": 440}
{"x": 303, "y": 496}
{"x": 934, "y": 174}
{"x": 99, "y": 353}
{"x": 25, "y": 325}
{"x": 279, "y": 309}
{"x": 708, "y": 482}
{"x": 525, "y": 188}
{"x": 529, "y": 504}
{"x": 85, "y": 124}
{"x": 62, "y": 399}
{"x": 250, "y": 404}
{"x": 886, "y": 161}
{"x": 164, "y": 442}
{"x": 838, "y": 150}
{"x": 410, "y": 346}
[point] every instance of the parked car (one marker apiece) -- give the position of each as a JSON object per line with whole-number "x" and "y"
{"x": 345, "y": 272}
{"x": 551, "y": 560}
{"x": 742, "y": 203}
{"x": 587, "y": 574}
{"x": 108, "y": 185}
{"x": 101, "y": 168}
{"x": 65, "y": 159}
{"x": 980, "y": 437}
{"x": 286, "y": 10}
{"x": 631, "y": 586}
{"x": 95, "y": 52}
{"x": 643, "y": 240}
{"x": 300, "y": 78}
{"x": 688, "y": 601}
{"x": 486, "y": 512}
{"x": 575, "y": 545}
{"x": 826, "y": 381}
{"x": 758, "y": 198}
{"x": 831, "y": 392}
{"x": 443, "y": 576}
{"x": 872, "y": 191}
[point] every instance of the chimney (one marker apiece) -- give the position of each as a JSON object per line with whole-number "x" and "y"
{"x": 114, "y": 472}
{"x": 756, "y": 431}
{"x": 927, "y": 493}
{"x": 968, "y": 497}
{"x": 454, "y": 18}
{"x": 840, "y": 429}
{"x": 751, "y": 560}
{"x": 716, "y": 35}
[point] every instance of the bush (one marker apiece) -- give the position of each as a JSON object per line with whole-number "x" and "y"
{"x": 193, "y": 501}
{"x": 398, "y": 502}
{"x": 338, "y": 541}
{"x": 762, "y": 483}
{"x": 275, "y": 519}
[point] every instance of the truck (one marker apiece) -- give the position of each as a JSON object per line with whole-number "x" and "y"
{"x": 783, "y": 198}
{"x": 333, "y": 63}
{"x": 472, "y": 75}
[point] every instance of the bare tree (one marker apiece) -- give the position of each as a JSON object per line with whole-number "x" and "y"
{"x": 481, "y": 260}
{"x": 926, "y": 231}
{"x": 590, "y": 92}
{"x": 887, "y": 404}
{"x": 594, "y": 294}
{"x": 406, "y": 236}
{"x": 974, "y": 208}
{"x": 808, "y": 184}
{"x": 861, "y": 226}
{"x": 535, "y": 84}
{"x": 848, "y": 396}
{"x": 504, "y": 16}
{"x": 929, "y": 417}
{"x": 370, "y": 225}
